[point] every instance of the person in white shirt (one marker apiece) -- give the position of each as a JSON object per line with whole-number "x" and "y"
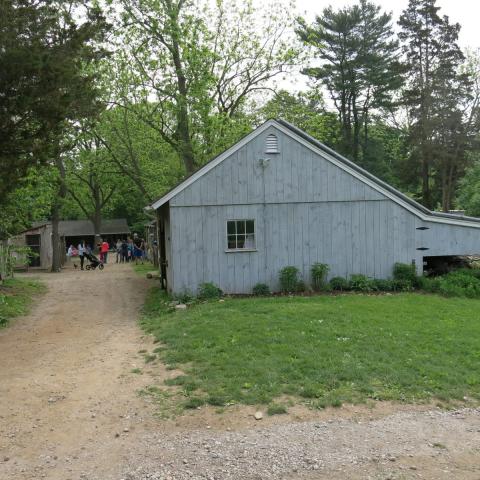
{"x": 81, "y": 252}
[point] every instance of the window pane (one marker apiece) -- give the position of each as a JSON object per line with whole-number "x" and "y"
{"x": 250, "y": 226}
{"x": 250, "y": 241}
{"x": 231, "y": 227}
{"x": 240, "y": 241}
{"x": 232, "y": 243}
{"x": 241, "y": 226}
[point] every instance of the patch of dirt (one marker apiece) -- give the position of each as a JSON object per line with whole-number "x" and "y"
{"x": 70, "y": 409}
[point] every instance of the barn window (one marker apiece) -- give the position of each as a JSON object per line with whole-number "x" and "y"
{"x": 271, "y": 144}
{"x": 241, "y": 235}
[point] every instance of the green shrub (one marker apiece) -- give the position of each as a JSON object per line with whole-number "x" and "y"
{"x": 405, "y": 272}
{"x": 382, "y": 285}
{"x": 184, "y": 297}
{"x": 404, "y": 285}
{"x": 289, "y": 279}
{"x": 459, "y": 284}
{"x": 261, "y": 289}
{"x": 319, "y": 273}
{"x": 301, "y": 286}
{"x": 340, "y": 284}
{"x": 428, "y": 284}
{"x": 361, "y": 283}
{"x": 472, "y": 272}
{"x": 209, "y": 291}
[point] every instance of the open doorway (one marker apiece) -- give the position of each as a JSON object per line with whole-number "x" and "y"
{"x": 441, "y": 265}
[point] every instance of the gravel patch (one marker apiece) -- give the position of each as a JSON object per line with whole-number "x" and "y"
{"x": 294, "y": 449}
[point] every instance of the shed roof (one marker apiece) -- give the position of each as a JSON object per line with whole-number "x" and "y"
{"x": 77, "y": 228}
{"x": 336, "y": 158}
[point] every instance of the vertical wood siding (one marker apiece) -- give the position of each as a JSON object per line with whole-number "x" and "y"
{"x": 306, "y": 210}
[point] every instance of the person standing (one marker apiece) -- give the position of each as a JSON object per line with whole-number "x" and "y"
{"x": 124, "y": 251}
{"x": 105, "y": 247}
{"x": 131, "y": 248}
{"x": 118, "y": 249}
{"x": 81, "y": 253}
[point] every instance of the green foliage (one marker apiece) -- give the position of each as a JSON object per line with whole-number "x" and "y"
{"x": 382, "y": 285}
{"x": 307, "y": 111}
{"x": 209, "y": 291}
{"x": 358, "y": 64}
{"x": 361, "y": 283}
{"x": 339, "y": 284}
{"x": 460, "y": 283}
{"x": 403, "y": 285}
{"x": 319, "y": 272}
{"x": 441, "y": 127}
{"x": 406, "y": 272}
{"x": 301, "y": 286}
{"x": 276, "y": 409}
{"x": 193, "y": 70}
{"x": 261, "y": 289}
{"x": 187, "y": 297}
{"x": 324, "y": 350}
{"x": 469, "y": 191}
{"x": 428, "y": 284}
{"x": 289, "y": 278}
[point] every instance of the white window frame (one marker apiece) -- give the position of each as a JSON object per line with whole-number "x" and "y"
{"x": 251, "y": 249}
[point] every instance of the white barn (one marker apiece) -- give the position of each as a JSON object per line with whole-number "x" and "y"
{"x": 279, "y": 197}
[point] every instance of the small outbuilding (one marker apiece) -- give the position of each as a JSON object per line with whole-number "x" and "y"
{"x": 39, "y": 238}
{"x": 279, "y": 197}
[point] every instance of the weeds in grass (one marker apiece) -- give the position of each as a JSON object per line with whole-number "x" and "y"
{"x": 276, "y": 409}
{"x": 16, "y": 296}
{"x": 136, "y": 370}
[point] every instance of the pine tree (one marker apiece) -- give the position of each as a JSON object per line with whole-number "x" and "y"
{"x": 359, "y": 66}
{"x": 434, "y": 96}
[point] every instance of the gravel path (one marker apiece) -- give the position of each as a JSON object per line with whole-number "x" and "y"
{"x": 70, "y": 409}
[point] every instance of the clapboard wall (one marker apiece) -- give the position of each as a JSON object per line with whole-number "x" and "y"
{"x": 306, "y": 210}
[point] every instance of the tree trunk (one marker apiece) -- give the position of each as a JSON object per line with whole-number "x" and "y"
{"x": 57, "y": 254}
{"x": 97, "y": 216}
{"x": 56, "y": 258}
{"x": 183, "y": 126}
{"x": 4, "y": 259}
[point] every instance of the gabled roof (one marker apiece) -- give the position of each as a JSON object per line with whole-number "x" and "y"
{"x": 335, "y": 158}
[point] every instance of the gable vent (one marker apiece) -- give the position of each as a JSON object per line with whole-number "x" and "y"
{"x": 271, "y": 144}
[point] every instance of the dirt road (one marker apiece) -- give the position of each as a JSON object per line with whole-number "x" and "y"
{"x": 65, "y": 386}
{"x": 70, "y": 409}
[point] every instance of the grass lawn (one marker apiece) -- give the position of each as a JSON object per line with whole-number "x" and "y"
{"x": 325, "y": 350}
{"x": 16, "y": 297}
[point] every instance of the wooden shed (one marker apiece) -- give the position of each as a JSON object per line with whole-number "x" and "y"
{"x": 39, "y": 238}
{"x": 279, "y": 197}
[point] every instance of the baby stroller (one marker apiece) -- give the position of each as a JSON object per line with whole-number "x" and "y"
{"x": 94, "y": 262}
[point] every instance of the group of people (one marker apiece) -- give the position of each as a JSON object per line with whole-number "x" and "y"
{"x": 131, "y": 250}
{"x": 127, "y": 250}
{"x": 84, "y": 250}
